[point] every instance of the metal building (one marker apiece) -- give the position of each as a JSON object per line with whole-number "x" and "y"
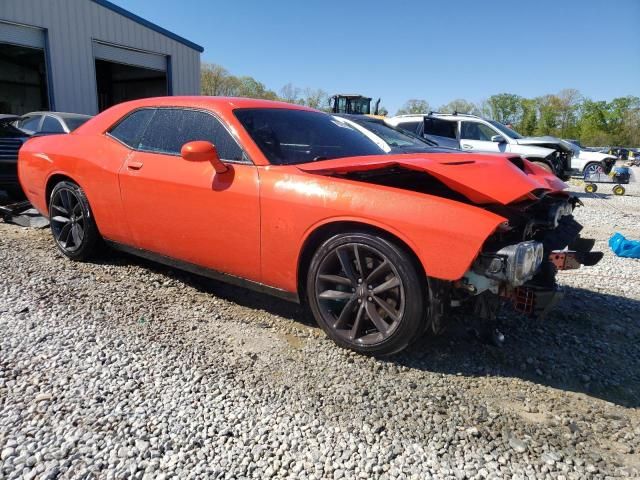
{"x": 83, "y": 56}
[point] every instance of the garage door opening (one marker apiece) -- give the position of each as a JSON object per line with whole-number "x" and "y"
{"x": 23, "y": 79}
{"x": 118, "y": 82}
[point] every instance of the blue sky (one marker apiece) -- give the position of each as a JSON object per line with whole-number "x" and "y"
{"x": 434, "y": 50}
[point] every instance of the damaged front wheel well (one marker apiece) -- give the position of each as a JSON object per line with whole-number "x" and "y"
{"x": 324, "y": 232}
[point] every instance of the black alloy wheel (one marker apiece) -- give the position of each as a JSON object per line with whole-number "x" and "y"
{"x": 366, "y": 293}
{"x": 72, "y": 224}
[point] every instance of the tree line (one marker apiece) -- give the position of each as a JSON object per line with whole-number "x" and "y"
{"x": 216, "y": 80}
{"x": 567, "y": 114}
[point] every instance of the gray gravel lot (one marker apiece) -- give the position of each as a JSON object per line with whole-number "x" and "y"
{"x": 126, "y": 369}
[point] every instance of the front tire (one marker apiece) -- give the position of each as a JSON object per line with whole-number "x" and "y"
{"x": 366, "y": 293}
{"x": 72, "y": 225}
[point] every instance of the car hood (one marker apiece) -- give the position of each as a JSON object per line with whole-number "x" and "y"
{"x": 547, "y": 142}
{"x": 483, "y": 179}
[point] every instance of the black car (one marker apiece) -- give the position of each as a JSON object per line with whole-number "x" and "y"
{"x": 11, "y": 139}
{"x": 15, "y": 130}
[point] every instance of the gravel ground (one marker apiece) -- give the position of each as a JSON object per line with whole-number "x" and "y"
{"x": 125, "y": 369}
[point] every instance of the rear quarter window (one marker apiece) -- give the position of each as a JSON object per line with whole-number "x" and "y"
{"x": 129, "y": 130}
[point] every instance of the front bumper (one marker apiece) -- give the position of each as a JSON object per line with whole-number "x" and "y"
{"x": 563, "y": 249}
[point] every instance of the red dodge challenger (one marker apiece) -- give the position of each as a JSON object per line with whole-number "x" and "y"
{"x": 288, "y": 200}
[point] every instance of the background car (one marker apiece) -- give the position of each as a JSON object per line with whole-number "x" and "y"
{"x": 15, "y": 130}
{"x": 290, "y": 201}
{"x": 389, "y": 138}
{"x": 587, "y": 162}
{"x": 35, "y": 123}
{"x": 11, "y": 139}
{"x": 477, "y": 134}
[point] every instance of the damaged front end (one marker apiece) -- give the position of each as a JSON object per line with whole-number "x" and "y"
{"x": 520, "y": 261}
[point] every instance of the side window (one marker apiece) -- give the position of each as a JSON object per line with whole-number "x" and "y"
{"x": 129, "y": 130}
{"x": 409, "y": 126}
{"x": 30, "y": 123}
{"x": 51, "y": 125}
{"x": 476, "y": 131}
{"x": 171, "y": 128}
{"x": 439, "y": 128}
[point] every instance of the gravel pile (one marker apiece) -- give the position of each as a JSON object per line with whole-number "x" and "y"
{"x": 125, "y": 369}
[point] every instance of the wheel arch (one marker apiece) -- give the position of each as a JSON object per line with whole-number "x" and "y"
{"x": 52, "y": 181}
{"x": 326, "y": 230}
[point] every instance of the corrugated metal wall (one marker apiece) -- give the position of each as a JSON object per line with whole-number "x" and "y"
{"x": 72, "y": 25}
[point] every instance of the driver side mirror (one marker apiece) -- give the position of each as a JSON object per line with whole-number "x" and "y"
{"x": 201, "y": 151}
{"x": 498, "y": 139}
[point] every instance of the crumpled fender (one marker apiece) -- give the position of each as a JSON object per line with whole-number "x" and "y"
{"x": 483, "y": 179}
{"x": 446, "y": 235}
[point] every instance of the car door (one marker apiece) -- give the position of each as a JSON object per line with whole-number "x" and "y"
{"x": 185, "y": 210}
{"x": 476, "y": 137}
{"x": 441, "y": 131}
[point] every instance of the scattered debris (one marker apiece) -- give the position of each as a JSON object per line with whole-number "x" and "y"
{"x": 623, "y": 247}
{"x": 23, "y": 214}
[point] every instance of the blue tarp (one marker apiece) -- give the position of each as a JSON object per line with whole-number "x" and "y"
{"x": 623, "y": 247}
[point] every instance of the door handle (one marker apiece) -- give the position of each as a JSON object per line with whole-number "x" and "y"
{"x": 466, "y": 145}
{"x": 134, "y": 165}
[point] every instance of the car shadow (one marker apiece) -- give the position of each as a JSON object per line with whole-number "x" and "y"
{"x": 587, "y": 344}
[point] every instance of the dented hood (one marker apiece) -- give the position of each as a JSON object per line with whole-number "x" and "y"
{"x": 546, "y": 142}
{"x": 483, "y": 179}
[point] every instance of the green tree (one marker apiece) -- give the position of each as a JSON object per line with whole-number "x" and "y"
{"x": 528, "y": 117}
{"x": 252, "y": 88}
{"x": 504, "y": 108}
{"x": 549, "y": 108}
{"x": 593, "y": 122}
{"x": 460, "y": 105}
{"x": 216, "y": 80}
{"x": 414, "y": 106}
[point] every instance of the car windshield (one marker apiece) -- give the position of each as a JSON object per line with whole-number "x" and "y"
{"x": 506, "y": 130}
{"x": 395, "y": 137}
{"x": 288, "y": 136}
{"x": 74, "y": 122}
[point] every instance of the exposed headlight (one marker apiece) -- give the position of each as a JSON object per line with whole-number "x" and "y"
{"x": 515, "y": 264}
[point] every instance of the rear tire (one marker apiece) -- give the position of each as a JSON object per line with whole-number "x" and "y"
{"x": 366, "y": 293}
{"x": 72, "y": 225}
{"x": 591, "y": 188}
